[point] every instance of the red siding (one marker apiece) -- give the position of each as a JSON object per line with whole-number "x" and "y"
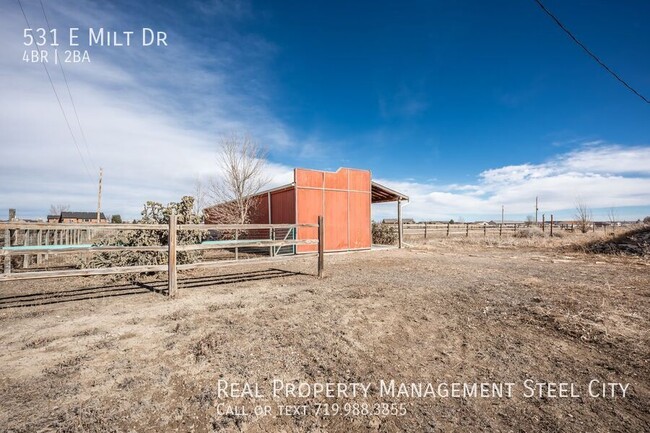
{"x": 283, "y": 207}
{"x": 359, "y": 220}
{"x": 311, "y": 178}
{"x": 261, "y": 214}
{"x": 343, "y": 198}
{"x": 336, "y": 220}
{"x": 337, "y": 180}
{"x": 310, "y": 205}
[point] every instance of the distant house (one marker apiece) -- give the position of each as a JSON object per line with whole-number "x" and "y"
{"x": 394, "y": 221}
{"x": 79, "y": 217}
{"x": 53, "y": 218}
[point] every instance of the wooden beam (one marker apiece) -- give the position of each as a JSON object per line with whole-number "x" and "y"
{"x": 7, "y": 264}
{"x": 551, "y": 229}
{"x": 26, "y": 243}
{"x": 86, "y": 226}
{"x": 321, "y": 246}
{"x": 39, "y": 241}
{"x": 399, "y": 223}
{"x": 76, "y": 249}
{"x": 82, "y": 272}
{"x": 171, "y": 259}
{"x": 224, "y": 263}
{"x": 240, "y": 226}
{"x": 262, "y": 243}
{"x": 113, "y": 227}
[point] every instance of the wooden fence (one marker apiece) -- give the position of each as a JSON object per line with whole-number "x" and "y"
{"x": 433, "y": 230}
{"x": 18, "y": 241}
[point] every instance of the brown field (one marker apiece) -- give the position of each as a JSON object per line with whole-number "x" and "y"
{"x": 94, "y": 355}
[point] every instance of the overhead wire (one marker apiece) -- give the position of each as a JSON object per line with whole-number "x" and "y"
{"x": 49, "y": 77}
{"x": 590, "y": 53}
{"x": 74, "y": 106}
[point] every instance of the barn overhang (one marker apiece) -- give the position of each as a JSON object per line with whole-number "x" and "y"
{"x": 383, "y": 194}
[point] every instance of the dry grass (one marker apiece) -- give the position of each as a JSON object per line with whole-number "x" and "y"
{"x": 452, "y": 309}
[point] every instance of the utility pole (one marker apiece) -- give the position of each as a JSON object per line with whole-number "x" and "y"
{"x": 536, "y": 208}
{"x": 99, "y": 195}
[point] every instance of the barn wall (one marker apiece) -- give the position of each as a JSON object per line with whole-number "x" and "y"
{"x": 261, "y": 214}
{"x": 283, "y": 207}
{"x": 343, "y": 198}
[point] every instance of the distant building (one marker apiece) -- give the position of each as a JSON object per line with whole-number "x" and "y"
{"x": 394, "y": 221}
{"x": 77, "y": 217}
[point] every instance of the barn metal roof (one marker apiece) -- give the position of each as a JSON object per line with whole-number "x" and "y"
{"x": 383, "y": 194}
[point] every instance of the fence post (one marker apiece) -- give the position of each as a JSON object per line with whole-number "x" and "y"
{"x": 400, "y": 233}
{"x": 39, "y": 241}
{"x": 543, "y": 223}
{"x": 425, "y": 230}
{"x": 466, "y": 229}
{"x": 47, "y": 242}
{"x": 321, "y": 247}
{"x": 236, "y": 247}
{"x": 7, "y": 267}
{"x": 448, "y": 229}
{"x": 551, "y": 225}
{"x": 26, "y": 243}
{"x": 500, "y": 229}
{"x": 171, "y": 258}
{"x": 484, "y": 231}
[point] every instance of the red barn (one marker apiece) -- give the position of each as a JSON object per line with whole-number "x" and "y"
{"x": 343, "y": 198}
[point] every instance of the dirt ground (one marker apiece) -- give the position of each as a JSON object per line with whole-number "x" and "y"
{"x": 91, "y": 355}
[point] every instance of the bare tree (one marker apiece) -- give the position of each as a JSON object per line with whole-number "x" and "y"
{"x": 529, "y": 220}
{"x": 583, "y": 216}
{"x": 56, "y": 209}
{"x": 200, "y": 197}
{"x": 241, "y": 163}
{"x": 612, "y": 216}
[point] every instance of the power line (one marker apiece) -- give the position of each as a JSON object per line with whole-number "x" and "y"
{"x": 49, "y": 77}
{"x": 74, "y": 107}
{"x": 568, "y": 32}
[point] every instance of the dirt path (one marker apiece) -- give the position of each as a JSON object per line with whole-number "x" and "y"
{"x": 433, "y": 314}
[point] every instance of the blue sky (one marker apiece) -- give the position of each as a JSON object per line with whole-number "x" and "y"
{"x": 465, "y": 106}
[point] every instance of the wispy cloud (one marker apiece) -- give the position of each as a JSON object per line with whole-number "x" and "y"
{"x": 152, "y": 116}
{"x": 600, "y": 175}
{"x": 407, "y": 102}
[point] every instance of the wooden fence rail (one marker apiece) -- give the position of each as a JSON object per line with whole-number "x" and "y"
{"x": 427, "y": 230}
{"x": 25, "y": 248}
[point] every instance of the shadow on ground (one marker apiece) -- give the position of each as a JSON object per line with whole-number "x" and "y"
{"x": 136, "y": 288}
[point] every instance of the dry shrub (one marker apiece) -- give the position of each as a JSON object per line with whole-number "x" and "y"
{"x": 39, "y": 342}
{"x": 153, "y": 213}
{"x": 86, "y": 420}
{"x": 635, "y": 242}
{"x": 529, "y": 232}
{"x": 207, "y": 345}
{"x": 383, "y": 234}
